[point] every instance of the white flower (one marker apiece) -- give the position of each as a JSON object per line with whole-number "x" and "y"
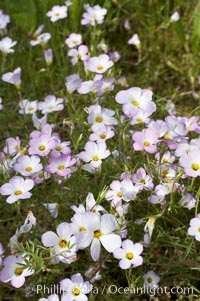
{"x": 17, "y": 189}
{"x": 48, "y": 55}
{"x": 41, "y": 39}
{"x": 14, "y": 272}
{"x": 51, "y": 104}
{"x": 94, "y": 153}
{"x": 100, "y": 231}
{"x": 129, "y": 254}
{"x": 73, "y": 40}
{"x": 134, "y": 40}
{"x": 93, "y": 15}
{"x": 63, "y": 244}
{"x": 151, "y": 279}
{"x": 6, "y": 45}
{"x": 13, "y": 77}
{"x": 75, "y": 289}
{"x": 57, "y": 12}
{"x": 188, "y": 201}
{"x": 175, "y": 17}
{"x": 27, "y": 107}
{"x": 99, "y": 64}
{"x": 194, "y": 229}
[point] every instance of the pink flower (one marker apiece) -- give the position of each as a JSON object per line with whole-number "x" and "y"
{"x": 134, "y": 99}
{"x": 90, "y": 86}
{"x": 73, "y": 82}
{"x": 188, "y": 201}
{"x": 61, "y": 148}
{"x": 94, "y": 153}
{"x": 17, "y": 189}
{"x": 13, "y": 78}
{"x": 57, "y": 12}
{"x": 80, "y": 54}
{"x": 14, "y": 272}
{"x": 99, "y": 64}
{"x": 145, "y": 140}
{"x": 191, "y": 163}
{"x": 48, "y": 55}
{"x": 61, "y": 165}
{"x": 129, "y": 254}
{"x": 142, "y": 179}
{"x": 41, "y": 145}
{"x": 12, "y": 146}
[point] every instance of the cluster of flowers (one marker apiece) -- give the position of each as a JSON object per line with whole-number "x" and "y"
{"x": 177, "y": 157}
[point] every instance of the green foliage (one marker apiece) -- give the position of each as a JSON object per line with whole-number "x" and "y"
{"x": 196, "y": 28}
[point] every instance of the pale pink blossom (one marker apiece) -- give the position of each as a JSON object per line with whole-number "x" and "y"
{"x": 57, "y": 12}
{"x": 99, "y": 64}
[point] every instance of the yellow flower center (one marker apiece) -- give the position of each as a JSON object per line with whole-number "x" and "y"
{"x": 129, "y": 256}
{"x": 167, "y": 137}
{"x": 17, "y": 86}
{"x": 82, "y": 229}
{"x": 97, "y": 233}
{"x": 99, "y": 119}
{"x": 42, "y": 147}
{"x": 100, "y": 67}
{"x": 139, "y": 120}
{"x": 79, "y": 57}
{"x": 76, "y": 291}
{"x": 149, "y": 279}
{"x": 30, "y": 109}
{"x": 195, "y": 166}
{"x": 147, "y": 143}
{"x": 135, "y": 103}
{"x": 102, "y": 136}
{"x": 57, "y": 14}
{"x": 185, "y": 204}
{"x": 63, "y": 243}
{"x": 142, "y": 181}
{"x": 18, "y": 271}
{"x": 165, "y": 173}
{"x": 61, "y": 167}
{"x": 93, "y": 92}
{"x": 165, "y": 161}
{"x": 95, "y": 158}
{"x": 18, "y": 192}
{"x": 199, "y": 229}
{"x": 119, "y": 194}
{"x": 41, "y": 175}
{"x": 58, "y": 148}
{"x": 29, "y": 168}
